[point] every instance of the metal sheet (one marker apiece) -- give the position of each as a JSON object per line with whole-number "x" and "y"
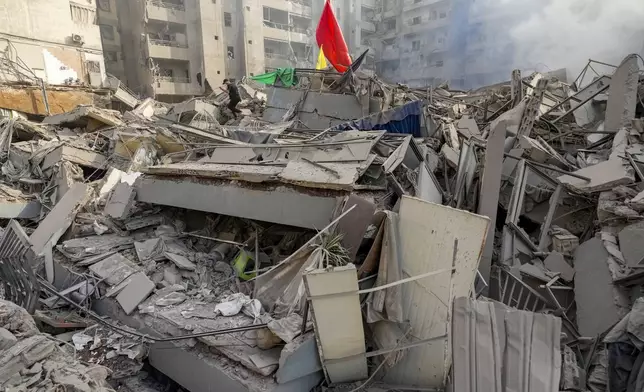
{"x": 427, "y": 235}
{"x": 338, "y": 323}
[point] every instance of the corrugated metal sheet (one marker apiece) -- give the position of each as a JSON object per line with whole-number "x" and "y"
{"x": 427, "y": 235}
{"x": 497, "y": 348}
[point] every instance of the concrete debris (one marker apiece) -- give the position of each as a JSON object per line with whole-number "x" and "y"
{"x": 31, "y": 361}
{"x": 251, "y": 240}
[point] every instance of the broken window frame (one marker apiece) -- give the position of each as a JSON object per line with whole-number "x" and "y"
{"x": 511, "y": 231}
{"x": 107, "y": 32}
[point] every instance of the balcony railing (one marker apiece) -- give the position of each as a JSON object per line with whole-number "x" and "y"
{"x": 172, "y": 79}
{"x": 276, "y": 56}
{"x": 165, "y": 4}
{"x": 161, "y": 42}
{"x": 284, "y": 27}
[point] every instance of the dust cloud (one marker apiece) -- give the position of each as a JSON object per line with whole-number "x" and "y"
{"x": 551, "y": 34}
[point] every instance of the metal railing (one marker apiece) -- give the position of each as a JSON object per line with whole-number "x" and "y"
{"x": 172, "y": 79}
{"x": 161, "y": 42}
{"x": 284, "y": 27}
{"x": 165, "y": 4}
{"x": 276, "y": 56}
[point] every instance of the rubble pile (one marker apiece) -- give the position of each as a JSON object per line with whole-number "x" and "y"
{"x": 32, "y": 361}
{"x": 340, "y": 233}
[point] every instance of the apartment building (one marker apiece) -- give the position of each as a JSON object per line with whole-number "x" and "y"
{"x": 57, "y": 41}
{"x": 428, "y": 42}
{"x": 173, "y": 49}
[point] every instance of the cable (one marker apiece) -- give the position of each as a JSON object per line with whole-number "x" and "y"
{"x": 145, "y": 336}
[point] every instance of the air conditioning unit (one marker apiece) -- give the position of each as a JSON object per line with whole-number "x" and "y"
{"x": 78, "y": 39}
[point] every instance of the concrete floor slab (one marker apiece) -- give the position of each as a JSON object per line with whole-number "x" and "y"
{"x": 277, "y": 204}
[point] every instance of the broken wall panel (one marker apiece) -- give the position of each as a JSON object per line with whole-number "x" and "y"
{"x": 428, "y": 233}
{"x": 59, "y": 218}
{"x": 338, "y": 323}
{"x": 489, "y": 195}
{"x": 598, "y": 300}
{"x": 622, "y": 95}
{"x": 318, "y": 111}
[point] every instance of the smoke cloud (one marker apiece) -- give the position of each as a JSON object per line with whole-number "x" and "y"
{"x": 552, "y": 34}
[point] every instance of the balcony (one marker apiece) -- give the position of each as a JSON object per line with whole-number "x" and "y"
{"x": 275, "y": 60}
{"x": 282, "y": 32}
{"x": 370, "y": 3}
{"x": 166, "y": 85}
{"x": 411, "y": 5}
{"x": 368, "y": 26}
{"x": 390, "y": 53}
{"x": 299, "y": 7}
{"x": 163, "y": 49}
{"x": 166, "y": 11}
{"x": 425, "y": 25}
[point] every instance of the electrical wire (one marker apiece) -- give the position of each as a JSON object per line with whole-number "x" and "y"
{"x": 148, "y": 337}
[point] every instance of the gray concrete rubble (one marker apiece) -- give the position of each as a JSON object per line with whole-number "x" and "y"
{"x": 339, "y": 233}
{"x": 31, "y": 361}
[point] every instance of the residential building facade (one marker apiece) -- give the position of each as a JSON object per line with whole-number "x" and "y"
{"x": 173, "y": 49}
{"x": 428, "y": 42}
{"x": 57, "y": 41}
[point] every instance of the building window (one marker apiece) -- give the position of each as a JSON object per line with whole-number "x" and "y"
{"x": 250, "y": 42}
{"x": 107, "y": 32}
{"x": 415, "y": 46}
{"x": 416, "y": 20}
{"x": 433, "y": 15}
{"x": 93, "y": 66}
{"x": 228, "y": 19}
{"x": 390, "y": 24}
{"x": 231, "y": 52}
{"x": 417, "y": 1}
{"x": 110, "y": 56}
{"x": 443, "y": 14}
{"x": 247, "y": 8}
{"x": 337, "y": 13}
{"x": 104, "y": 5}
{"x": 216, "y": 38}
{"x": 218, "y": 72}
{"x": 439, "y": 63}
{"x": 82, "y": 14}
{"x": 214, "y": 1}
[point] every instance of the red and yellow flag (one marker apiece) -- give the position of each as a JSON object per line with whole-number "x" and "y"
{"x": 329, "y": 35}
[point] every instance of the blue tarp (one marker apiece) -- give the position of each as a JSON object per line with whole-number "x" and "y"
{"x": 404, "y": 119}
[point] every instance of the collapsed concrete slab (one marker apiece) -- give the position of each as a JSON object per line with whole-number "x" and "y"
{"x": 603, "y": 176}
{"x": 14, "y": 204}
{"x": 83, "y": 157}
{"x": 278, "y": 204}
{"x": 88, "y": 117}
